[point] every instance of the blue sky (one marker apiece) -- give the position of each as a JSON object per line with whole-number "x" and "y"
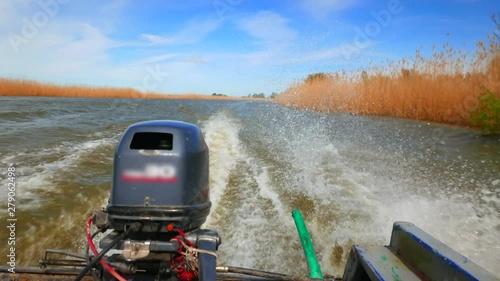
{"x": 233, "y": 47}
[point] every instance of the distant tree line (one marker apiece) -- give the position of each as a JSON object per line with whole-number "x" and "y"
{"x": 261, "y": 95}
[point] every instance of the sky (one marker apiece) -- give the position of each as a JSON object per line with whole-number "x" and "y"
{"x": 231, "y": 47}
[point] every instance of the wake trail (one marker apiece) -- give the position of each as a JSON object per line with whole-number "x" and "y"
{"x": 249, "y": 215}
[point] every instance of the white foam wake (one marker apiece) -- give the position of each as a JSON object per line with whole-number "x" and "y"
{"x": 39, "y": 169}
{"x": 221, "y": 135}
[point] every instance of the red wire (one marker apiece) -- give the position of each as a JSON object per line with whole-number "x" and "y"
{"x": 184, "y": 236}
{"x": 94, "y": 250}
{"x": 178, "y": 262}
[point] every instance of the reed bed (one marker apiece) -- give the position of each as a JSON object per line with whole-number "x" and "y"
{"x": 442, "y": 88}
{"x": 13, "y": 87}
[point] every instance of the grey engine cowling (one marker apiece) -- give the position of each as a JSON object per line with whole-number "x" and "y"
{"x": 160, "y": 177}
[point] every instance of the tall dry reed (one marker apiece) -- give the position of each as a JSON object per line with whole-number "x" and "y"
{"x": 442, "y": 88}
{"x": 12, "y": 87}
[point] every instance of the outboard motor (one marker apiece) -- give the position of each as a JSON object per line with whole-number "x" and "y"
{"x": 160, "y": 177}
{"x": 158, "y": 202}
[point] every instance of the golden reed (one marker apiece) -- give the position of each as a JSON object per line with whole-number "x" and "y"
{"x": 443, "y": 88}
{"x": 12, "y": 87}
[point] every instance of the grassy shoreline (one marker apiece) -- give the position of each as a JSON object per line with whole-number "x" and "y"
{"x": 450, "y": 87}
{"x": 29, "y": 88}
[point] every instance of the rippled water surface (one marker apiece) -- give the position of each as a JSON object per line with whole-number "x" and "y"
{"x": 351, "y": 176}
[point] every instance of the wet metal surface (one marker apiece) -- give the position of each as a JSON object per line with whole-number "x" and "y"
{"x": 412, "y": 255}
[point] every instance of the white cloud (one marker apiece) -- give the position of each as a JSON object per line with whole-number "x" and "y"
{"x": 195, "y": 59}
{"x": 108, "y": 13}
{"x": 7, "y": 13}
{"x": 61, "y": 51}
{"x": 87, "y": 40}
{"x": 114, "y": 7}
{"x": 155, "y": 59}
{"x": 269, "y": 28}
{"x": 193, "y": 32}
{"x": 12, "y": 13}
{"x": 280, "y": 45}
{"x": 344, "y": 52}
{"x": 67, "y": 50}
{"x": 321, "y": 8}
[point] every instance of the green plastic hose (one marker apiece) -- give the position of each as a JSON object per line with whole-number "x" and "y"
{"x": 305, "y": 239}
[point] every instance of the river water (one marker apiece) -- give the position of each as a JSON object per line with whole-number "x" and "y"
{"x": 351, "y": 176}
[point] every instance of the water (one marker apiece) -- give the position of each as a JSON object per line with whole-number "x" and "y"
{"x": 351, "y": 176}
